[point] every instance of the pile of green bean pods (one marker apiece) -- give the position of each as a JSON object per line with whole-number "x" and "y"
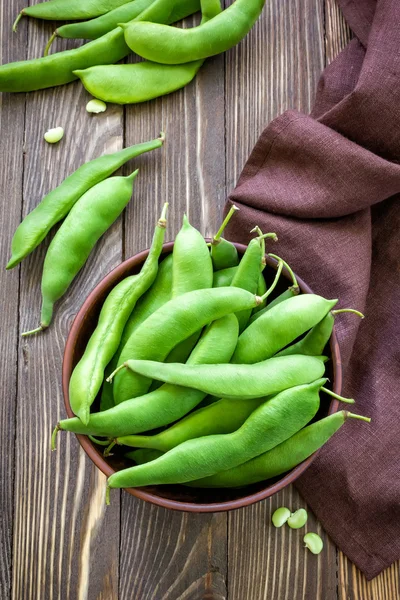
{"x": 200, "y": 344}
{"x": 118, "y": 27}
{"x": 89, "y": 201}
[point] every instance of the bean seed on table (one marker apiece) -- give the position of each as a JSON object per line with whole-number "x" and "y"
{"x": 280, "y": 516}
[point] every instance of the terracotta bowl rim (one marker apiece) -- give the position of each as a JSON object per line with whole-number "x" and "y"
{"x": 93, "y": 452}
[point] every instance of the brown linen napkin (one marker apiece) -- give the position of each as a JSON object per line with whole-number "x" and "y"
{"x": 326, "y": 183}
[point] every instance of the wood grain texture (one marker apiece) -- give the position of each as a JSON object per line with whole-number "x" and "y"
{"x": 12, "y": 122}
{"x": 65, "y": 541}
{"x": 57, "y": 540}
{"x": 337, "y": 32}
{"x": 352, "y": 584}
{"x": 276, "y": 67}
{"x": 273, "y": 562}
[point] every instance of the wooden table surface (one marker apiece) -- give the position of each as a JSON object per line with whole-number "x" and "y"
{"x": 57, "y": 538}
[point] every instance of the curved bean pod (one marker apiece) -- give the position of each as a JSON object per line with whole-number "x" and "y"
{"x": 140, "y": 82}
{"x": 161, "y": 12}
{"x": 88, "y": 220}
{"x": 269, "y": 425}
{"x": 57, "y": 204}
{"x": 57, "y": 69}
{"x": 281, "y": 458}
{"x": 236, "y": 381}
{"x": 280, "y": 326}
{"x": 95, "y": 28}
{"x": 154, "y": 298}
{"x": 169, "y": 45}
{"x": 68, "y": 10}
{"x": 316, "y": 339}
{"x": 248, "y": 272}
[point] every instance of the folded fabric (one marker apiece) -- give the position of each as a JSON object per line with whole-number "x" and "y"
{"x": 327, "y": 184}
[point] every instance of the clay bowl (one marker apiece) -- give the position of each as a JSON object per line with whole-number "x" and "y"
{"x": 179, "y": 497}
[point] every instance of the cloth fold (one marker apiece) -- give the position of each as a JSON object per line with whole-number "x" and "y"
{"x": 327, "y": 184}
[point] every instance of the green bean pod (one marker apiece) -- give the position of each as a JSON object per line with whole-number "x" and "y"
{"x": 156, "y": 296}
{"x": 57, "y": 204}
{"x": 236, "y": 381}
{"x": 135, "y": 83}
{"x": 68, "y": 10}
{"x": 261, "y": 289}
{"x": 143, "y": 455}
{"x": 269, "y": 425}
{"x": 224, "y": 416}
{"x": 180, "y": 353}
{"x": 57, "y": 69}
{"x": 88, "y": 374}
{"x": 223, "y": 277}
{"x": 95, "y": 28}
{"x": 247, "y": 275}
{"x": 171, "y": 324}
{"x": 88, "y": 220}
{"x": 280, "y": 326}
{"x": 163, "y": 44}
{"x": 106, "y": 394}
{"x": 224, "y": 253}
{"x": 315, "y": 340}
{"x": 281, "y": 458}
{"x": 289, "y": 293}
{"x": 191, "y": 261}
{"x": 140, "y": 82}
{"x": 191, "y": 270}
{"x": 167, "y": 404}
{"x": 210, "y": 8}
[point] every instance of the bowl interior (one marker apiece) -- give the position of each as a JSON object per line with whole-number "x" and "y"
{"x": 180, "y": 497}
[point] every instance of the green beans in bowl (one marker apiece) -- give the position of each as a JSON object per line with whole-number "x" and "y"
{"x": 177, "y": 496}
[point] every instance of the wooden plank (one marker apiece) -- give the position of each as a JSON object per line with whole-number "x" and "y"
{"x": 272, "y": 564}
{"x": 65, "y": 541}
{"x": 275, "y": 68}
{"x": 337, "y": 32}
{"x": 354, "y": 586}
{"x": 168, "y": 555}
{"x": 12, "y": 117}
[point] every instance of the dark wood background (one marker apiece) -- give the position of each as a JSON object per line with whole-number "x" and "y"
{"x": 57, "y": 539}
